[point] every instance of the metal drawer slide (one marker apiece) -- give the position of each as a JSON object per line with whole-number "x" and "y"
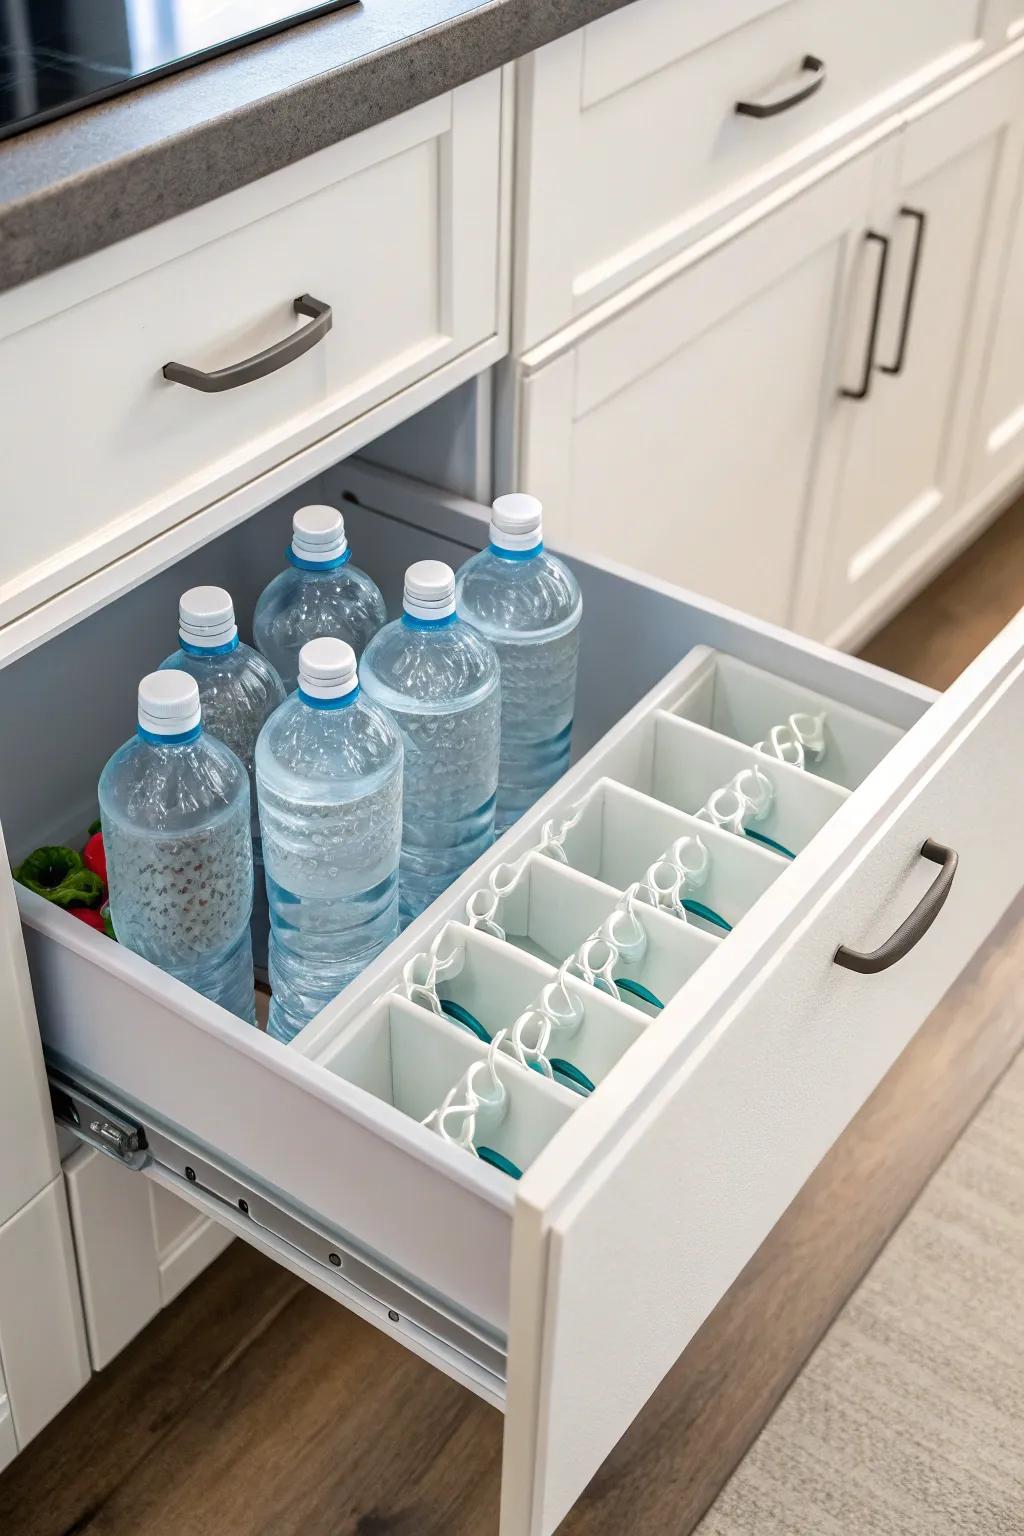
{"x": 467, "y": 1351}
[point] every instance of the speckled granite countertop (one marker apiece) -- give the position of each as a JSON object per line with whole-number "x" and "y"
{"x": 76, "y": 185}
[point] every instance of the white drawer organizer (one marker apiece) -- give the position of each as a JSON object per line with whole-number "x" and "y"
{"x": 564, "y": 1296}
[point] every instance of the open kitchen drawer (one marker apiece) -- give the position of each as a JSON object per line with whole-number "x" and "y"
{"x": 563, "y": 1297}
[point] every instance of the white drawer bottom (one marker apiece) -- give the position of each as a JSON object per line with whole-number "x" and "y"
{"x": 568, "y": 1292}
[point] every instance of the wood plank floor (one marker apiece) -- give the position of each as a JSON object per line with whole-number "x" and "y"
{"x": 254, "y": 1406}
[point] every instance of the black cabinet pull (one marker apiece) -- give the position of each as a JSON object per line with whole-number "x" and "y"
{"x": 861, "y": 392}
{"x": 809, "y": 66}
{"x": 913, "y": 928}
{"x": 261, "y": 363}
{"x": 921, "y": 220}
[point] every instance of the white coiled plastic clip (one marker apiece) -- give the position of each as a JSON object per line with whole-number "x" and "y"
{"x": 799, "y": 740}
{"x": 421, "y": 974}
{"x": 476, "y": 1105}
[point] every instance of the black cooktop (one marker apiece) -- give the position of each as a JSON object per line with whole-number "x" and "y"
{"x": 59, "y": 55}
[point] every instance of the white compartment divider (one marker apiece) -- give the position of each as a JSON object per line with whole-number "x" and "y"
{"x": 497, "y": 983}
{"x": 621, "y": 833}
{"x": 745, "y": 703}
{"x": 409, "y": 1059}
{"x": 689, "y": 763}
{"x": 552, "y": 910}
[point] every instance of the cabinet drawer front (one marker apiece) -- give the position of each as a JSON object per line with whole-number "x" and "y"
{"x": 642, "y": 1232}
{"x": 396, "y": 230}
{"x": 637, "y": 113}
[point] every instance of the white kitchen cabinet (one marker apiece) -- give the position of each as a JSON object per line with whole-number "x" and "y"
{"x": 43, "y": 1352}
{"x": 28, "y": 1150}
{"x": 563, "y": 1297}
{"x": 641, "y": 130}
{"x": 137, "y": 1247}
{"x": 42, "y": 1349}
{"x": 682, "y": 433}
{"x": 995, "y": 447}
{"x": 301, "y": 314}
{"x": 945, "y": 216}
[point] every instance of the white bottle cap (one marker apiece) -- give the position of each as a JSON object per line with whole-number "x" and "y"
{"x": 327, "y": 668}
{"x": 318, "y": 535}
{"x": 206, "y": 618}
{"x": 169, "y": 703}
{"x": 517, "y": 522}
{"x": 429, "y": 590}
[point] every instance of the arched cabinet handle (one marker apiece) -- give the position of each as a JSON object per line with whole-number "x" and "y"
{"x": 914, "y": 927}
{"x": 261, "y": 363}
{"x": 771, "y": 108}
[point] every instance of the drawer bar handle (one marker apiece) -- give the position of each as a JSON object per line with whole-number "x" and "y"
{"x": 914, "y": 927}
{"x": 921, "y": 220}
{"x": 808, "y": 66}
{"x": 261, "y": 363}
{"x": 861, "y": 391}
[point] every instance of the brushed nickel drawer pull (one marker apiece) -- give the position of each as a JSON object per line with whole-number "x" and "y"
{"x": 261, "y": 363}
{"x": 809, "y": 65}
{"x": 914, "y": 927}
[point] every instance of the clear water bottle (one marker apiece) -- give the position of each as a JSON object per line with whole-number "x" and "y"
{"x": 321, "y": 593}
{"x": 174, "y": 803}
{"x": 528, "y": 606}
{"x": 329, "y": 785}
{"x": 439, "y": 680}
{"x": 238, "y": 689}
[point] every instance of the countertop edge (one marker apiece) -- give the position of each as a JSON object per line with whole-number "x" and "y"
{"x": 88, "y": 210}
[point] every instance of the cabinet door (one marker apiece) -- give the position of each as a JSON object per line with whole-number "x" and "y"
{"x": 28, "y": 1151}
{"x": 895, "y": 512}
{"x": 682, "y": 436}
{"x": 996, "y": 446}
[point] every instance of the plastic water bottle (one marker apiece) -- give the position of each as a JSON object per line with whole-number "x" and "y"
{"x": 321, "y": 593}
{"x": 528, "y": 606}
{"x": 238, "y": 689}
{"x": 439, "y": 680}
{"x": 329, "y": 784}
{"x": 174, "y": 803}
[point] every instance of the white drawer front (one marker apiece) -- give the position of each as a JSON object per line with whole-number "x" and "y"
{"x": 578, "y": 1285}
{"x": 632, "y": 1236}
{"x": 636, "y": 114}
{"x": 396, "y": 230}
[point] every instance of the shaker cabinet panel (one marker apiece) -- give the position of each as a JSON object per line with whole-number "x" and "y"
{"x": 683, "y": 436}
{"x": 996, "y": 452}
{"x": 645, "y": 128}
{"x": 930, "y": 239}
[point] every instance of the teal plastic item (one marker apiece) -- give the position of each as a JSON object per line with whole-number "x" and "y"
{"x": 497, "y": 1160}
{"x": 466, "y": 1019}
{"x": 637, "y": 988}
{"x": 769, "y": 842}
{"x": 707, "y": 913}
{"x": 564, "y": 1068}
{"x": 460, "y": 1015}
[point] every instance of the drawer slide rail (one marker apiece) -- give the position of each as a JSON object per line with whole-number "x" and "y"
{"x": 467, "y": 1350}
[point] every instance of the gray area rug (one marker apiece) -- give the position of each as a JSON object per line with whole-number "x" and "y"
{"x": 908, "y": 1420}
